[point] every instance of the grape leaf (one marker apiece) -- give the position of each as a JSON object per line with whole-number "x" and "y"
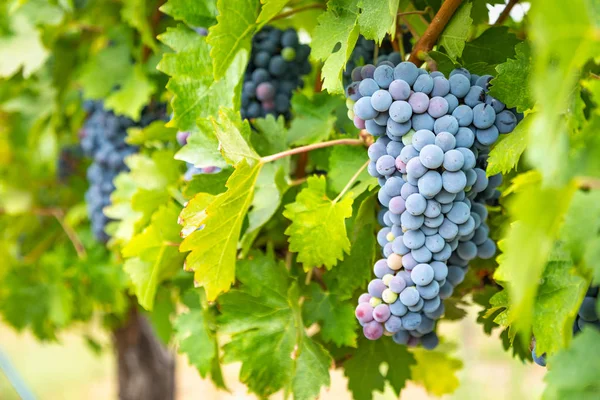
{"x": 494, "y": 46}
{"x": 23, "y": 48}
{"x": 134, "y": 12}
{"x": 264, "y": 320}
{"x": 354, "y": 271}
{"x": 334, "y": 39}
{"x": 455, "y": 34}
{"x": 231, "y": 37}
{"x": 150, "y": 135}
{"x": 214, "y": 248}
{"x": 574, "y": 373}
{"x": 480, "y": 11}
{"x": 318, "y": 229}
{"x": 507, "y": 152}
{"x": 334, "y": 314}
{"x": 152, "y": 258}
{"x": 270, "y": 135}
{"x": 344, "y": 162}
{"x": 556, "y": 306}
{"x": 160, "y": 317}
{"x": 313, "y": 118}
{"x": 194, "y": 213}
{"x": 444, "y": 63}
{"x": 536, "y": 216}
{"x": 105, "y": 70}
{"x": 582, "y": 224}
{"x": 202, "y": 147}
{"x": 192, "y": 12}
{"x": 196, "y": 339}
{"x": 134, "y": 94}
{"x": 269, "y": 9}
{"x": 195, "y": 93}
{"x": 511, "y": 85}
{"x": 233, "y": 135}
{"x": 561, "y": 48}
{"x": 435, "y": 370}
{"x": 378, "y": 18}
{"x": 363, "y": 369}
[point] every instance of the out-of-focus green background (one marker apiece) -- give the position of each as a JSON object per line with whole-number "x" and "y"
{"x": 70, "y": 371}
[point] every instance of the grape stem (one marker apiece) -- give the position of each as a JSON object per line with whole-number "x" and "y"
{"x": 351, "y": 182}
{"x": 506, "y": 12}
{"x": 304, "y": 149}
{"x": 59, "y": 214}
{"x": 433, "y": 31}
{"x": 297, "y": 10}
{"x": 424, "y": 12}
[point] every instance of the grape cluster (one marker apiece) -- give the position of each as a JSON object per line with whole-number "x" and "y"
{"x": 182, "y": 137}
{"x": 103, "y": 139}
{"x": 587, "y": 315}
{"x": 277, "y": 64}
{"x": 364, "y": 53}
{"x": 68, "y": 161}
{"x": 434, "y": 135}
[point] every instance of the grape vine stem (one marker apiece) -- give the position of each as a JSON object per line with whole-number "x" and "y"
{"x": 304, "y": 149}
{"x": 297, "y": 10}
{"x": 424, "y": 12}
{"x": 351, "y": 182}
{"x": 506, "y": 12}
{"x": 433, "y": 31}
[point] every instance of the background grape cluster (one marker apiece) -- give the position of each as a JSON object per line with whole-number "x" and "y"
{"x": 434, "y": 136}
{"x": 182, "y": 137}
{"x": 103, "y": 139}
{"x": 586, "y": 316}
{"x": 277, "y": 63}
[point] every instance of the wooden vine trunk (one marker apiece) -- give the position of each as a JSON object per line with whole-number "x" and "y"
{"x": 146, "y": 369}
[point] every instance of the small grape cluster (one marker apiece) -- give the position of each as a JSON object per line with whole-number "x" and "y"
{"x": 277, "y": 64}
{"x": 182, "y": 137}
{"x": 68, "y": 161}
{"x": 434, "y": 135}
{"x": 103, "y": 139}
{"x": 587, "y": 315}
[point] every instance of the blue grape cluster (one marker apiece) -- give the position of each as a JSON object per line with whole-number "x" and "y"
{"x": 364, "y": 52}
{"x": 103, "y": 139}
{"x": 68, "y": 161}
{"x": 587, "y": 315}
{"x": 277, "y": 64}
{"x": 434, "y": 134}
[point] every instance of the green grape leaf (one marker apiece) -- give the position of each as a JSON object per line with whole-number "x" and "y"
{"x": 194, "y": 13}
{"x": 363, "y": 370}
{"x": 508, "y": 150}
{"x": 561, "y": 48}
{"x": 334, "y": 314}
{"x": 196, "y": 339}
{"x": 556, "y": 306}
{"x": 344, "y": 162}
{"x": 194, "y": 213}
{"x": 436, "y": 371}
{"x": 444, "y": 63}
{"x": 480, "y": 11}
{"x": 264, "y": 320}
{"x": 22, "y": 49}
{"x": 154, "y": 133}
{"x": 202, "y": 147}
{"x": 537, "y": 214}
{"x": 354, "y": 271}
{"x": 233, "y": 135}
{"x": 511, "y": 84}
{"x": 334, "y": 39}
{"x": 492, "y": 47}
{"x": 378, "y": 18}
{"x": 160, "y": 316}
{"x": 231, "y": 37}
{"x": 582, "y": 224}
{"x": 134, "y": 94}
{"x": 195, "y": 92}
{"x": 106, "y": 70}
{"x": 270, "y": 135}
{"x": 271, "y": 185}
{"x": 214, "y": 248}
{"x": 313, "y": 118}
{"x": 574, "y": 373}
{"x": 269, "y": 9}
{"x": 318, "y": 229}
{"x": 152, "y": 258}
{"x": 134, "y": 12}
{"x": 207, "y": 183}
{"x": 455, "y": 34}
